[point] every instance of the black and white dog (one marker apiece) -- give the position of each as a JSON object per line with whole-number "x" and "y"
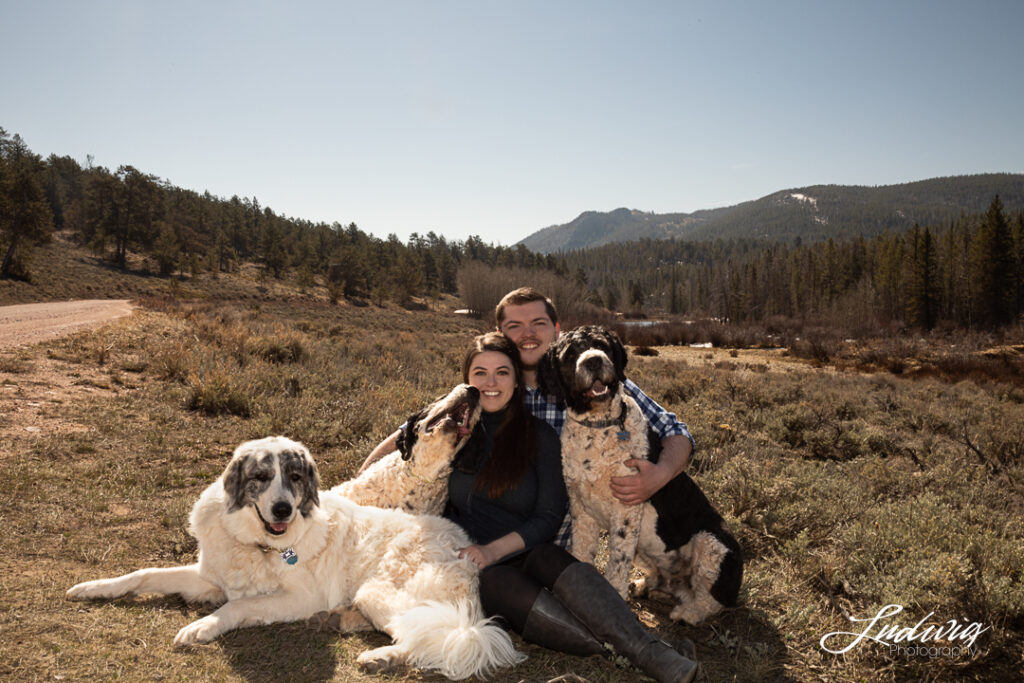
{"x": 676, "y": 536}
{"x": 414, "y": 478}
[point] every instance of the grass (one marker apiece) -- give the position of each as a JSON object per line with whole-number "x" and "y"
{"x": 849, "y": 487}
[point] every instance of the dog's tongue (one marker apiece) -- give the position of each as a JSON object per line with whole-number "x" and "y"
{"x": 279, "y": 528}
{"x": 597, "y": 389}
{"x": 463, "y": 431}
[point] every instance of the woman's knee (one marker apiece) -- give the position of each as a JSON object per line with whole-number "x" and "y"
{"x": 498, "y": 582}
{"x": 507, "y": 592}
{"x": 546, "y": 563}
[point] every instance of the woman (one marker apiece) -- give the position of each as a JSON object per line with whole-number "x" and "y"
{"x": 506, "y": 490}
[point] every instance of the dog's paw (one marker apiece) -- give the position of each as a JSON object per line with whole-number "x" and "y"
{"x": 381, "y": 659}
{"x": 687, "y": 614}
{"x": 640, "y": 588}
{"x": 200, "y": 631}
{"x": 91, "y": 590}
{"x": 344, "y": 620}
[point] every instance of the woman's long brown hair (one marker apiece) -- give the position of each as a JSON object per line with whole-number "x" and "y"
{"x": 514, "y": 447}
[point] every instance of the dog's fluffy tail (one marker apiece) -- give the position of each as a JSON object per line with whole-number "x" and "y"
{"x": 454, "y": 639}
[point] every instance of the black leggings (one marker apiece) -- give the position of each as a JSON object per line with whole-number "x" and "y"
{"x": 508, "y": 589}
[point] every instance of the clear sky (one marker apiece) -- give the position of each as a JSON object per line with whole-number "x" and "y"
{"x": 502, "y": 118}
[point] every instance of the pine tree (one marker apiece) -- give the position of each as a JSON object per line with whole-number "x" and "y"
{"x": 673, "y": 306}
{"x": 636, "y": 296}
{"x": 993, "y": 268}
{"x": 610, "y": 297}
{"x": 25, "y": 216}
{"x": 272, "y": 249}
{"x": 136, "y": 198}
{"x": 166, "y": 250}
{"x": 923, "y": 294}
{"x": 1018, "y": 252}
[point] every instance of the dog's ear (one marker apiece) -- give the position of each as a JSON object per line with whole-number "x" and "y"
{"x": 408, "y": 435}
{"x": 548, "y": 378}
{"x": 234, "y": 482}
{"x": 619, "y": 356}
{"x": 310, "y": 484}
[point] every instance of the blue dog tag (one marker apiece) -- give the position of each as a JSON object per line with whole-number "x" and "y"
{"x": 289, "y": 556}
{"x": 623, "y": 435}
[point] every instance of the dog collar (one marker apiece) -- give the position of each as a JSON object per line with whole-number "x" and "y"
{"x": 289, "y": 556}
{"x": 620, "y": 421}
{"x": 411, "y": 472}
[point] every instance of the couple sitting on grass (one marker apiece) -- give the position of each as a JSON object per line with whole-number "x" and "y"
{"x": 506, "y": 490}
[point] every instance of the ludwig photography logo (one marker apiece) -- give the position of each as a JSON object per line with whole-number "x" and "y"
{"x": 948, "y": 639}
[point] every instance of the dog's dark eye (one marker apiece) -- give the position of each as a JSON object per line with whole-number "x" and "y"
{"x": 262, "y": 476}
{"x": 296, "y": 477}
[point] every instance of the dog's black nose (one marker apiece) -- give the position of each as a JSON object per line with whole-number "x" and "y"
{"x": 281, "y": 510}
{"x": 474, "y": 392}
{"x": 593, "y": 363}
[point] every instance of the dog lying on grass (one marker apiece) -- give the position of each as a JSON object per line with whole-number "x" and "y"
{"x": 272, "y": 548}
{"x": 415, "y": 477}
{"x": 676, "y": 536}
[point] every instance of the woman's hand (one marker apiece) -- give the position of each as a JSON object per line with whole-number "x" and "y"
{"x": 486, "y": 555}
{"x": 480, "y": 555}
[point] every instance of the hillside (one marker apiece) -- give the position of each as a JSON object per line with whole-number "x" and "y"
{"x": 68, "y": 271}
{"x": 807, "y": 213}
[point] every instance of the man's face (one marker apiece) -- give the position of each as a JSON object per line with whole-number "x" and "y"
{"x": 530, "y": 329}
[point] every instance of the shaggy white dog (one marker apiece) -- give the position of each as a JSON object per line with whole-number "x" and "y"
{"x": 274, "y": 549}
{"x": 415, "y": 477}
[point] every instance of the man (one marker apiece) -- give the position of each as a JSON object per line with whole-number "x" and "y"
{"x": 529, "y": 319}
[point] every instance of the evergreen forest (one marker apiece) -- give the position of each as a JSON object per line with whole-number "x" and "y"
{"x": 967, "y": 272}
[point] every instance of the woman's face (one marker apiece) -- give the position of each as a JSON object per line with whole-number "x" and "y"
{"x": 493, "y": 374}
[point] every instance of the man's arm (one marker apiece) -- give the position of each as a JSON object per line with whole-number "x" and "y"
{"x": 677, "y": 452}
{"x": 634, "y": 489}
{"x": 388, "y": 445}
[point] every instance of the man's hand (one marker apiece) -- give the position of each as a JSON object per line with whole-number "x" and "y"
{"x": 637, "y": 488}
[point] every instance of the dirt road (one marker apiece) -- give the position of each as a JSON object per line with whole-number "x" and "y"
{"x": 31, "y": 323}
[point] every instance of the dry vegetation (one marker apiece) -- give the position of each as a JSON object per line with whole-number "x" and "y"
{"x": 67, "y": 271}
{"x": 849, "y": 490}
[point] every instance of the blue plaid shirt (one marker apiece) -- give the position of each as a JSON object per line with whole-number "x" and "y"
{"x": 661, "y": 421}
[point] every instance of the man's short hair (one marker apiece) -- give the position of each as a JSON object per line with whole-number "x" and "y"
{"x": 518, "y": 297}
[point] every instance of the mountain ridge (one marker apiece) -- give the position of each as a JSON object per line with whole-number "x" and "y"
{"x": 814, "y": 212}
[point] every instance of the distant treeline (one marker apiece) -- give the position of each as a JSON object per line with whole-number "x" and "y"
{"x": 968, "y": 272}
{"x": 123, "y": 212}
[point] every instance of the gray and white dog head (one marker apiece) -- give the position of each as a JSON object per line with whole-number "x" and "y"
{"x": 277, "y": 477}
{"x": 447, "y": 422}
{"x": 583, "y": 367}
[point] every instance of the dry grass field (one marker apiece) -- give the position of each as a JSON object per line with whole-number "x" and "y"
{"x": 849, "y": 490}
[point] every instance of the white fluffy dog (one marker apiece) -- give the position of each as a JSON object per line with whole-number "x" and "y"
{"x": 415, "y": 477}
{"x": 274, "y": 549}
